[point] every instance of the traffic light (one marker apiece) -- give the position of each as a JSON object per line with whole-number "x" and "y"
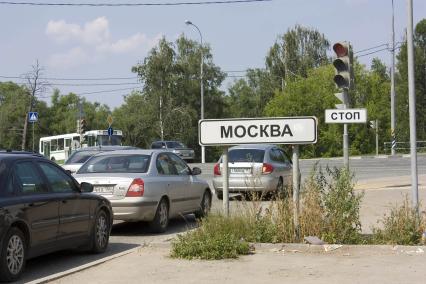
{"x": 83, "y": 126}
{"x": 372, "y": 124}
{"x": 343, "y": 65}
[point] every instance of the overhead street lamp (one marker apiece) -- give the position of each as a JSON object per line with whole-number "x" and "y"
{"x": 189, "y": 23}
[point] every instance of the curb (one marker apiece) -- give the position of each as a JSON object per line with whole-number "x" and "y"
{"x": 83, "y": 267}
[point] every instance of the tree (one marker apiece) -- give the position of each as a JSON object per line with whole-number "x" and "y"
{"x": 402, "y": 128}
{"x": 315, "y": 93}
{"x": 292, "y": 56}
{"x": 171, "y": 90}
{"x": 36, "y": 86}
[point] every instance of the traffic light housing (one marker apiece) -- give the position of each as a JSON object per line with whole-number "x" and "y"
{"x": 372, "y": 124}
{"x": 343, "y": 65}
{"x": 83, "y": 126}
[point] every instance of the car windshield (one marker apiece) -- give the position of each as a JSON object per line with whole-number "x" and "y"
{"x": 116, "y": 164}
{"x": 175, "y": 144}
{"x": 246, "y": 155}
{"x": 80, "y": 157}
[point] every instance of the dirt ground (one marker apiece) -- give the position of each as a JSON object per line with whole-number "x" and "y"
{"x": 269, "y": 264}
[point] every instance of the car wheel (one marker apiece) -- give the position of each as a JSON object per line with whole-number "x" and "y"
{"x": 101, "y": 232}
{"x": 205, "y": 205}
{"x": 219, "y": 194}
{"x": 13, "y": 254}
{"x": 161, "y": 219}
{"x": 280, "y": 189}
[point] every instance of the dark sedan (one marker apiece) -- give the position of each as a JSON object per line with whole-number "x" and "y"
{"x": 44, "y": 209}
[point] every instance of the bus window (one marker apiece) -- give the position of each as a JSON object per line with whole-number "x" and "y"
{"x": 53, "y": 145}
{"x": 67, "y": 142}
{"x": 60, "y": 144}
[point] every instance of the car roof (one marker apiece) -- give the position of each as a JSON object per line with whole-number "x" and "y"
{"x": 15, "y": 154}
{"x": 105, "y": 148}
{"x": 254, "y": 146}
{"x": 132, "y": 152}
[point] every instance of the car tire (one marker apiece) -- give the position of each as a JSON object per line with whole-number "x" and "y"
{"x": 219, "y": 195}
{"x": 14, "y": 248}
{"x": 161, "y": 219}
{"x": 280, "y": 192}
{"x": 101, "y": 232}
{"x": 205, "y": 205}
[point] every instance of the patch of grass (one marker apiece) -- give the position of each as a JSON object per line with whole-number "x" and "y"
{"x": 403, "y": 226}
{"x": 217, "y": 237}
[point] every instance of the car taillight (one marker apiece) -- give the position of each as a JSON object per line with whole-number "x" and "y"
{"x": 217, "y": 170}
{"x": 136, "y": 189}
{"x": 267, "y": 169}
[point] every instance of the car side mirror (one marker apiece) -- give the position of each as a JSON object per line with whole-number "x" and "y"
{"x": 68, "y": 172}
{"x": 196, "y": 171}
{"x": 86, "y": 187}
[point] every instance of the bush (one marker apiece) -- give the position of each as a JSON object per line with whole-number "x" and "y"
{"x": 217, "y": 237}
{"x": 341, "y": 207}
{"x": 329, "y": 209}
{"x": 402, "y": 227}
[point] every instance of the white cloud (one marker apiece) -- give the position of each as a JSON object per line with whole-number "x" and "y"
{"x": 93, "y": 40}
{"x": 72, "y": 58}
{"x": 136, "y": 42}
{"x": 92, "y": 33}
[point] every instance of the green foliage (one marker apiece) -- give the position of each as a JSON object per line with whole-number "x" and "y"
{"x": 170, "y": 99}
{"x": 402, "y": 226}
{"x": 341, "y": 208}
{"x": 218, "y": 237}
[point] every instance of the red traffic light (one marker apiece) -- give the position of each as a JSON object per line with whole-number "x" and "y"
{"x": 341, "y": 49}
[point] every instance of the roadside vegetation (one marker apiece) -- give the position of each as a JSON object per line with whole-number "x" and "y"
{"x": 329, "y": 209}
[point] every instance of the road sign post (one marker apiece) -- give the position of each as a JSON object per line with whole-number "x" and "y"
{"x": 296, "y": 187}
{"x": 278, "y": 130}
{"x": 33, "y": 117}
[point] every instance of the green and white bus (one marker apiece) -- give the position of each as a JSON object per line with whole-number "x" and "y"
{"x": 59, "y": 147}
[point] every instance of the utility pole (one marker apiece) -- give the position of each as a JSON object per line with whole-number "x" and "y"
{"x": 412, "y": 108}
{"x": 393, "y": 117}
{"x": 377, "y": 137}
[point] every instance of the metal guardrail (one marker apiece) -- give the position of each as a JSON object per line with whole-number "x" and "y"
{"x": 403, "y": 147}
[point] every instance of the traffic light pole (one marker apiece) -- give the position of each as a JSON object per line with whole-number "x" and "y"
{"x": 345, "y": 135}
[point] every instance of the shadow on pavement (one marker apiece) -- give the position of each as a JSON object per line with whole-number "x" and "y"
{"x": 50, "y": 264}
{"x": 176, "y": 226}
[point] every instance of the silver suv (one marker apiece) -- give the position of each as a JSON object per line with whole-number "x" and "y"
{"x": 177, "y": 148}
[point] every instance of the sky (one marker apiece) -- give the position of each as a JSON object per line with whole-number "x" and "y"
{"x": 105, "y": 42}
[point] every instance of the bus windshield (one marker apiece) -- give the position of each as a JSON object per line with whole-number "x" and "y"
{"x": 105, "y": 140}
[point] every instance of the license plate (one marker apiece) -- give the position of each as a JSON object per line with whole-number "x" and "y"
{"x": 241, "y": 170}
{"x": 103, "y": 189}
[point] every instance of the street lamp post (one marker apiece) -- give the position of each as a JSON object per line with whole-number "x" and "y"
{"x": 203, "y": 153}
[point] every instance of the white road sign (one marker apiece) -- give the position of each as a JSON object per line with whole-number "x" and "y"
{"x": 277, "y": 130}
{"x": 354, "y": 115}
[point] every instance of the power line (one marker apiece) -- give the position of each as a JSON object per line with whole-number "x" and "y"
{"x": 74, "y": 79}
{"x": 370, "y": 48}
{"x": 131, "y": 4}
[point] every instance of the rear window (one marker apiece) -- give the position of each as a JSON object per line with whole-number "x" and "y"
{"x": 116, "y": 164}
{"x": 80, "y": 157}
{"x": 175, "y": 144}
{"x": 246, "y": 155}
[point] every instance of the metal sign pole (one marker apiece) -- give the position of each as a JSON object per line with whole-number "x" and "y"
{"x": 412, "y": 108}
{"x": 225, "y": 182}
{"x": 33, "y": 136}
{"x": 296, "y": 187}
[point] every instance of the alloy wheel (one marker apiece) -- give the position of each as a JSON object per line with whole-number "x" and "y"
{"x": 102, "y": 231}
{"x": 15, "y": 254}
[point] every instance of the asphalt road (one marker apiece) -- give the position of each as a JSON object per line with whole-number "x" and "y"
{"x": 126, "y": 236}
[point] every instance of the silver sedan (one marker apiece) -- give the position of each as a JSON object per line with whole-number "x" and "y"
{"x": 147, "y": 185}
{"x": 257, "y": 169}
